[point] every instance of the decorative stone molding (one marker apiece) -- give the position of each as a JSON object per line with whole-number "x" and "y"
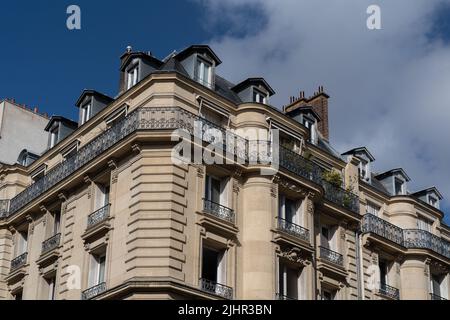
{"x": 137, "y": 148}
{"x": 293, "y": 254}
{"x": 30, "y": 220}
{"x": 88, "y": 180}
{"x": 112, "y": 164}
{"x": 200, "y": 170}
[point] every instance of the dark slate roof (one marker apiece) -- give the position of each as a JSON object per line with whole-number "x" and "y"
{"x": 90, "y": 92}
{"x": 304, "y": 109}
{"x": 198, "y": 48}
{"x": 142, "y": 55}
{"x": 253, "y": 81}
{"x": 67, "y": 122}
{"x": 391, "y": 172}
{"x": 360, "y": 149}
{"x": 325, "y": 145}
{"x": 429, "y": 190}
{"x": 223, "y": 87}
{"x": 374, "y": 182}
{"x": 173, "y": 65}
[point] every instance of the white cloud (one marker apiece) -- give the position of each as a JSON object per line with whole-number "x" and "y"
{"x": 389, "y": 88}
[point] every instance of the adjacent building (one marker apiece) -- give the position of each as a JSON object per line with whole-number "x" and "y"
{"x": 108, "y": 213}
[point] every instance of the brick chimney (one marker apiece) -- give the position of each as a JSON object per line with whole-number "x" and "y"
{"x": 319, "y": 102}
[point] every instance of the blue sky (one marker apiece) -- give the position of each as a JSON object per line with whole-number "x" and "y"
{"x": 44, "y": 64}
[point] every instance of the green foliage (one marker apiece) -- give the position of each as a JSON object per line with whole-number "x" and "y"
{"x": 332, "y": 177}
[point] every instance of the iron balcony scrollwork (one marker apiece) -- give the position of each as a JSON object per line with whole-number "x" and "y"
{"x": 19, "y": 261}
{"x": 434, "y": 296}
{"x": 216, "y": 288}
{"x": 293, "y": 229}
{"x": 218, "y": 210}
{"x": 342, "y": 197}
{"x": 51, "y": 243}
{"x": 389, "y": 291}
{"x": 382, "y": 228}
{"x": 422, "y": 239}
{"x": 93, "y": 291}
{"x": 98, "y": 216}
{"x": 331, "y": 256}
{"x": 280, "y": 296}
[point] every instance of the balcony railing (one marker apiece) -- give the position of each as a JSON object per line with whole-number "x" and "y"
{"x": 19, "y": 261}
{"x": 436, "y": 297}
{"x": 389, "y": 291}
{"x": 331, "y": 256}
{"x": 4, "y": 204}
{"x": 51, "y": 243}
{"x": 280, "y": 296}
{"x": 219, "y": 211}
{"x": 382, "y": 228}
{"x": 341, "y": 197}
{"x": 297, "y": 164}
{"x": 216, "y": 288}
{"x": 93, "y": 291}
{"x": 293, "y": 229}
{"x": 98, "y": 216}
{"x": 421, "y": 239}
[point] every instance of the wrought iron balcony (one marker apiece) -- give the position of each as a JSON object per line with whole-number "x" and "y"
{"x": 98, "y": 216}
{"x": 339, "y": 196}
{"x": 297, "y": 164}
{"x": 280, "y": 296}
{"x": 382, "y": 228}
{"x": 216, "y": 288}
{"x": 219, "y": 211}
{"x": 93, "y": 291}
{"x": 436, "y": 297}
{"x": 19, "y": 261}
{"x": 389, "y": 291}
{"x": 293, "y": 229}
{"x": 4, "y": 204}
{"x": 331, "y": 256}
{"x": 51, "y": 243}
{"x": 421, "y": 239}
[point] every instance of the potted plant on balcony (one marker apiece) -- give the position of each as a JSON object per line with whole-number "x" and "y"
{"x": 332, "y": 177}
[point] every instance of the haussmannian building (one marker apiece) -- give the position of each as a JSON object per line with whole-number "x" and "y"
{"x": 106, "y": 213}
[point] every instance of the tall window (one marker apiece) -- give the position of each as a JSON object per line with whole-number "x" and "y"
{"x": 102, "y": 196}
{"x": 132, "y": 76}
{"x": 288, "y": 209}
{"x": 328, "y": 237}
{"x": 97, "y": 269}
{"x": 51, "y": 288}
{"x": 289, "y": 281}
{"x": 433, "y": 201}
{"x": 259, "y": 97}
{"x": 22, "y": 243}
{"x": 398, "y": 186}
{"x": 216, "y": 190}
{"x": 56, "y": 222}
{"x": 310, "y": 125}
{"x": 364, "y": 169}
{"x": 373, "y": 209}
{"x": 424, "y": 224}
{"x": 328, "y": 294}
{"x": 204, "y": 72}
{"x": 85, "y": 113}
{"x": 53, "y": 137}
{"x": 383, "y": 265}
{"x": 214, "y": 265}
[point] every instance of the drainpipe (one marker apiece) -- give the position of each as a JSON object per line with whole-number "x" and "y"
{"x": 359, "y": 265}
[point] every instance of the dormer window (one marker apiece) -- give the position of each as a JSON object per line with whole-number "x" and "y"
{"x": 132, "y": 76}
{"x": 204, "y": 72}
{"x": 398, "y": 184}
{"x": 311, "y": 126}
{"x": 259, "y": 97}
{"x": 433, "y": 201}
{"x": 86, "y": 113}
{"x": 364, "y": 169}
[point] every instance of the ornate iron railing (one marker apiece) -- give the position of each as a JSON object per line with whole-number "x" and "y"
{"x": 436, "y": 297}
{"x": 279, "y": 296}
{"x": 297, "y": 164}
{"x": 216, "y": 288}
{"x": 4, "y": 204}
{"x": 421, "y": 239}
{"x": 98, "y": 216}
{"x": 293, "y": 229}
{"x": 389, "y": 291}
{"x": 219, "y": 211}
{"x": 339, "y": 196}
{"x": 331, "y": 256}
{"x": 19, "y": 261}
{"x": 378, "y": 226}
{"x": 51, "y": 243}
{"x": 93, "y": 291}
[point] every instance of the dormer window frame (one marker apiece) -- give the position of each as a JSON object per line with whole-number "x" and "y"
{"x": 433, "y": 200}
{"x": 132, "y": 74}
{"x": 258, "y": 94}
{"x": 86, "y": 111}
{"x": 203, "y": 64}
{"x": 312, "y": 128}
{"x": 402, "y": 186}
{"x": 54, "y": 133}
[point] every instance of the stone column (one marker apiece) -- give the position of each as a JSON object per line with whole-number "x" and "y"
{"x": 414, "y": 275}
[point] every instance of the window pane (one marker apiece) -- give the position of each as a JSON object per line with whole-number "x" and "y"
{"x": 210, "y": 260}
{"x": 101, "y": 272}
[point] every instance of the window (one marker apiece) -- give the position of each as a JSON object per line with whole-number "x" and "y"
{"x": 289, "y": 282}
{"x": 132, "y": 76}
{"x": 311, "y": 126}
{"x": 364, "y": 169}
{"x": 216, "y": 190}
{"x": 18, "y": 295}
{"x": 328, "y": 237}
{"x": 328, "y": 294}
{"x": 372, "y": 209}
{"x": 433, "y": 201}
{"x": 424, "y": 224}
{"x": 213, "y": 265}
{"x": 97, "y": 269}
{"x": 102, "y": 196}
{"x": 383, "y": 265}
{"x": 85, "y": 113}
{"x": 288, "y": 209}
{"x": 259, "y": 97}
{"x": 51, "y": 288}
{"x": 56, "y": 222}
{"x": 398, "y": 186}
{"x": 53, "y": 137}
{"x": 204, "y": 72}
{"x": 22, "y": 243}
